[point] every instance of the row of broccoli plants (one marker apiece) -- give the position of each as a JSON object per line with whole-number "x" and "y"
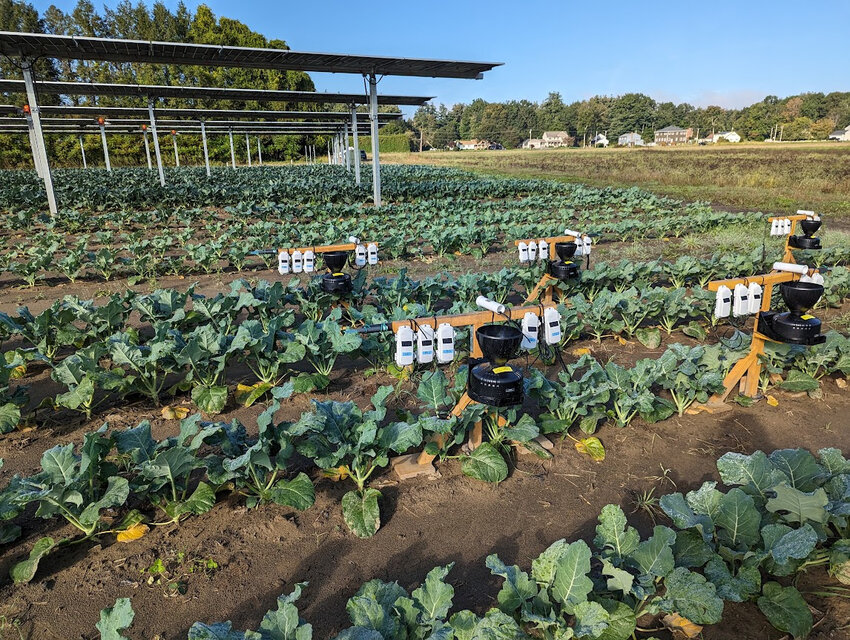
{"x": 191, "y": 340}
{"x": 107, "y": 192}
{"x": 778, "y": 516}
{"x": 344, "y": 442}
{"x": 225, "y": 245}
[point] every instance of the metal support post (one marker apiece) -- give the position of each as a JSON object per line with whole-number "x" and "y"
{"x": 38, "y": 137}
{"x": 232, "y": 151}
{"x": 156, "y": 144}
{"x": 176, "y": 155}
{"x": 356, "y": 145}
{"x": 105, "y": 148}
{"x": 373, "y": 116}
{"x": 206, "y": 151}
{"x": 83, "y": 152}
{"x": 260, "y": 151}
{"x": 248, "y": 148}
{"x": 147, "y": 148}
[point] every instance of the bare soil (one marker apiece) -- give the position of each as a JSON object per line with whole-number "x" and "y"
{"x": 262, "y": 553}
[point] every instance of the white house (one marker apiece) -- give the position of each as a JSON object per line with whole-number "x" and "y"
{"x": 533, "y": 143}
{"x": 728, "y": 136}
{"x": 632, "y": 139}
{"x": 599, "y": 140}
{"x": 842, "y": 135}
{"x": 554, "y": 139}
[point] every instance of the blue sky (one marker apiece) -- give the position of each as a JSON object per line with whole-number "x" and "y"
{"x": 721, "y": 52}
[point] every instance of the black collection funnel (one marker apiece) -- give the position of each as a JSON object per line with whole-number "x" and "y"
{"x": 565, "y": 250}
{"x": 800, "y": 296}
{"x": 810, "y": 227}
{"x": 499, "y": 342}
{"x": 335, "y": 260}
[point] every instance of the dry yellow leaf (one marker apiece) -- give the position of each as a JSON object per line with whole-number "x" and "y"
{"x": 772, "y": 401}
{"x": 622, "y": 340}
{"x": 578, "y": 353}
{"x": 174, "y": 413}
{"x": 841, "y": 383}
{"x": 336, "y": 474}
{"x": 675, "y": 622}
{"x": 133, "y": 533}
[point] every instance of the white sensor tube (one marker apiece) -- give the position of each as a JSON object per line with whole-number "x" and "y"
{"x": 569, "y": 232}
{"x": 791, "y": 268}
{"x": 489, "y": 305}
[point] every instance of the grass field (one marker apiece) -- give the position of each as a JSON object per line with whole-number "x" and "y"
{"x": 761, "y": 177}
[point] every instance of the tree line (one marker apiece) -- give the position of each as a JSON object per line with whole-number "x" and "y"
{"x": 808, "y": 116}
{"x": 143, "y": 22}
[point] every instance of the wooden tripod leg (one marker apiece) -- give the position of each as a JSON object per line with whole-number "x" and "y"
{"x": 475, "y": 437}
{"x": 542, "y": 284}
{"x": 440, "y": 439}
{"x": 741, "y": 368}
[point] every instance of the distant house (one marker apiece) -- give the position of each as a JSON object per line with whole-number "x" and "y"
{"x": 599, "y": 140}
{"x": 673, "y": 135}
{"x": 842, "y": 135}
{"x": 472, "y": 145}
{"x": 555, "y": 139}
{"x": 728, "y": 136}
{"x": 633, "y": 139}
{"x": 533, "y": 143}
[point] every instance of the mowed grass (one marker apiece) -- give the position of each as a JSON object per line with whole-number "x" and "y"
{"x": 754, "y": 176}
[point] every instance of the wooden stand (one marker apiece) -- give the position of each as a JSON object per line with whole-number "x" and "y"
{"x": 544, "y": 290}
{"x": 746, "y": 372}
{"x": 418, "y": 464}
{"x": 788, "y": 255}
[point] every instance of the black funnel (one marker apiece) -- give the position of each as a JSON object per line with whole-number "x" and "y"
{"x": 335, "y": 260}
{"x": 565, "y": 250}
{"x": 810, "y": 227}
{"x": 800, "y": 296}
{"x": 499, "y": 342}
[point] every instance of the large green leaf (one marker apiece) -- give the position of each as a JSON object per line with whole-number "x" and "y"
{"x": 433, "y": 390}
{"x": 613, "y": 534}
{"x": 798, "y": 381}
{"x": 284, "y": 622}
{"x": 621, "y": 621}
{"x": 10, "y": 416}
{"x": 793, "y": 544}
{"x": 24, "y": 571}
{"x": 298, "y": 493}
{"x": 654, "y": 557}
{"x": 201, "y": 501}
{"x": 361, "y": 512}
{"x": 485, "y": 463}
{"x": 755, "y": 473}
{"x": 434, "y": 596}
{"x": 795, "y": 506}
{"x": 680, "y": 512}
{"x": 210, "y": 399}
{"x": 740, "y": 587}
{"x": 571, "y": 584}
{"x": 115, "y": 619}
{"x": 60, "y": 464}
{"x": 117, "y": 491}
{"x": 618, "y": 579}
{"x": 591, "y": 619}
{"x": 737, "y": 520}
{"x": 800, "y": 467}
{"x": 517, "y": 588}
{"x": 786, "y": 610}
{"x": 689, "y": 594}
{"x": 691, "y": 550}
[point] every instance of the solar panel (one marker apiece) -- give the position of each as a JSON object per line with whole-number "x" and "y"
{"x": 84, "y": 48}
{"x": 211, "y": 93}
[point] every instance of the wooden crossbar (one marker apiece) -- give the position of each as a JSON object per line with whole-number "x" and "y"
{"x": 328, "y": 247}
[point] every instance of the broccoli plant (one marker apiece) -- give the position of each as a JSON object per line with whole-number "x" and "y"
{"x": 347, "y": 442}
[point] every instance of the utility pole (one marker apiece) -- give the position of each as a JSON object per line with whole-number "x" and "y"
{"x": 421, "y": 139}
